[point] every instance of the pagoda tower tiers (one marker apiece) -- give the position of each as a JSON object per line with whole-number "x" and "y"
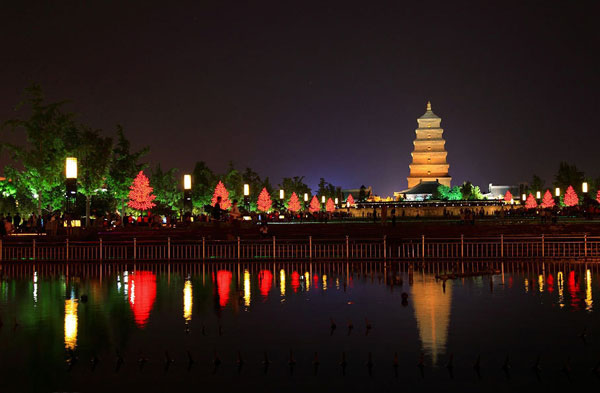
{"x": 429, "y": 156}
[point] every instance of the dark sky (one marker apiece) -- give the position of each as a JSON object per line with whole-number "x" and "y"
{"x": 321, "y": 90}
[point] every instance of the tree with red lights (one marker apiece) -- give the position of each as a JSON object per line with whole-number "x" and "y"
{"x": 221, "y": 191}
{"x": 294, "y": 203}
{"x": 140, "y": 194}
{"x": 264, "y": 201}
{"x": 314, "y": 206}
{"x": 530, "y": 203}
{"x": 571, "y": 198}
{"x": 598, "y": 196}
{"x": 350, "y": 200}
{"x": 508, "y": 196}
{"x": 330, "y": 206}
{"x": 548, "y": 200}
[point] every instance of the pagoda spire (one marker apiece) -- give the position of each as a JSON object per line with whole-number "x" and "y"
{"x": 428, "y": 105}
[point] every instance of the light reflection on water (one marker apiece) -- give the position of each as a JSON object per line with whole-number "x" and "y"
{"x": 132, "y": 306}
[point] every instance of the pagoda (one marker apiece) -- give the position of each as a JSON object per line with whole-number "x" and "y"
{"x": 429, "y": 156}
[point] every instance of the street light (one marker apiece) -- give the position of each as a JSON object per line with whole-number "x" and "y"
{"x": 247, "y": 197}
{"x": 246, "y": 190}
{"x": 557, "y": 192}
{"x": 281, "y": 194}
{"x": 187, "y": 193}
{"x": 538, "y": 195}
{"x": 523, "y": 197}
{"x": 336, "y": 201}
{"x": 71, "y": 184}
{"x": 305, "y": 197}
{"x": 584, "y": 187}
{"x": 323, "y": 199}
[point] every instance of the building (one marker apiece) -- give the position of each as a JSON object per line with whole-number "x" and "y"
{"x": 498, "y": 192}
{"x": 355, "y": 192}
{"x": 429, "y": 155}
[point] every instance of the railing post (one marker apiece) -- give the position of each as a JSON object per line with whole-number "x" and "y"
{"x": 169, "y": 247}
{"x": 100, "y": 250}
{"x": 384, "y": 246}
{"x": 238, "y": 250}
{"x": 67, "y": 250}
{"x": 273, "y": 247}
{"x": 502, "y": 245}
{"x": 347, "y": 248}
{"x": 462, "y": 246}
{"x": 543, "y": 252}
{"x": 423, "y": 246}
{"x": 203, "y": 248}
{"x": 33, "y": 249}
{"x": 134, "y": 248}
{"x": 585, "y": 245}
{"x": 310, "y": 247}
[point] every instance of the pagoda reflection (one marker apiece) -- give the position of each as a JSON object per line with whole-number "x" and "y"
{"x": 432, "y": 311}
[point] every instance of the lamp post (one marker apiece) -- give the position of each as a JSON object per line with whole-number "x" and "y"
{"x": 187, "y": 193}
{"x": 557, "y": 192}
{"x": 523, "y": 197}
{"x": 538, "y": 194}
{"x": 281, "y": 196}
{"x": 584, "y": 187}
{"x": 71, "y": 182}
{"x": 247, "y": 197}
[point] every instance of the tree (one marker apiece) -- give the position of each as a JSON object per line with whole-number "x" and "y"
{"x": 598, "y": 196}
{"x": 234, "y": 183}
{"x": 350, "y": 200}
{"x": 548, "y": 200}
{"x": 571, "y": 198}
{"x": 123, "y": 169}
{"x": 202, "y": 180}
{"x": 295, "y": 184}
{"x": 362, "y": 194}
{"x": 93, "y": 154}
{"x": 140, "y": 194}
{"x": 294, "y": 203}
{"x": 530, "y": 203}
{"x": 264, "y": 201}
{"x": 49, "y": 132}
{"x": 166, "y": 189}
{"x": 330, "y": 206}
{"x": 567, "y": 175}
{"x": 314, "y": 206}
{"x": 253, "y": 180}
{"x": 328, "y": 189}
{"x": 221, "y": 191}
{"x": 537, "y": 184}
{"x": 470, "y": 192}
{"x": 508, "y": 196}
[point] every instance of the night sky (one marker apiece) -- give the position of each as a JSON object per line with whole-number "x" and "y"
{"x": 321, "y": 90}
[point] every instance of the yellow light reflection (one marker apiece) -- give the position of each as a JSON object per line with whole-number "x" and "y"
{"x": 526, "y": 285}
{"x": 588, "y": 290}
{"x": 307, "y": 280}
{"x": 71, "y": 324}
{"x": 561, "y": 289}
{"x": 324, "y": 282}
{"x": 541, "y": 283}
{"x": 337, "y": 283}
{"x": 188, "y": 300}
{"x": 246, "y": 287}
{"x": 282, "y": 281}
{"x": 35, "y": 287}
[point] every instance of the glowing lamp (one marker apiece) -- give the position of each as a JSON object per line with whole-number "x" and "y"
{"x": 336, "y": 201}
{"x": 523, "y": 197}
{"x": 305, "y": 197}
{"x": 584, "y": 187}
{"x": 538, "y": 195}
{"x": 323, "y": 199}
{"x": 187, "y": 182}
{"x": 246, "y": 189}
{"x": 71, "y": 168}
{"x": 557, "y": 192}
{"x": 281, "y": 194}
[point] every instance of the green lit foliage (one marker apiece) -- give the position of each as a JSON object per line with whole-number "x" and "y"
{"x": 253, "y": 180}
{"x": 470, "y": 192}
{"x": 536, "y": 184}
{"x": 446, "y": 193}
{"x": 294, "y": 185}
{"x": 203, "y": 180}
{"x": 568, "y": 175}
{"x": 234, "y": 183}
{"x": 329, "y": 190}
{"x": 167, "y": 191}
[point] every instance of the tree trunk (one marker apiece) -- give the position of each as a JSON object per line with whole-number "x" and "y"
{"x": 122, "y": 212}
{"x": 39, "y": 206}
{"x": 88, "y": 202}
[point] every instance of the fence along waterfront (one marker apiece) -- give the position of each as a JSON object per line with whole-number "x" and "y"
{"x": 543, "y": 246}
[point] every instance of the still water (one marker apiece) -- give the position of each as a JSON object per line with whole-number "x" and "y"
{"x": 297, "y": 326}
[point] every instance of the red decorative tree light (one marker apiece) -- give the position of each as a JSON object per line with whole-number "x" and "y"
{"x": 294, "y": 203}
{"x": 530, "y": 203}
{"x": 264, "y": 201}
{"x": 598, "y": 196}
{"x": 221, "y": 191}
{"x": 548, "y": 201}
{"x": 314, "y": 206}
{"x": 140, "y": 196}
{"x": 330, "y": 206}
{"x": 508, "y": 196}
{"x": 350, "y": 200}
{"x": 571, "y": 198}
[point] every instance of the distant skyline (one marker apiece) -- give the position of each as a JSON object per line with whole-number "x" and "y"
{"x": 320, "y": 89}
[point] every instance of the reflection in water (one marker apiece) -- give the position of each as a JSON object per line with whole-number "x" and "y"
{"x": 71, "y": 324}
{"x": 295, "y": 281}
{"x": 246, "y": 288}
{"x": 541, "y": 283}
{"x": 187, "y": 300}
{"x": 574, "y": 289}
{"x": 432, "y": 311}
{"x": 265, "y": 281}
{"x": 223, "y": 284}
{"x": 324, "y": 282}
{"x": 588, "y": 290}
{"x": 561, "y": 289}
{"x": 526, "y": 282}
{"x": 142, "y": 294}
{"x": 550, "y": 283}
{"x": 307, "y": 280}
{"x": 35, "y": 287}
{"x": 282, "y": 282}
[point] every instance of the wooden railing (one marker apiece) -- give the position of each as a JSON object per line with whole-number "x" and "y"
{"x": 499, "y": 247}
